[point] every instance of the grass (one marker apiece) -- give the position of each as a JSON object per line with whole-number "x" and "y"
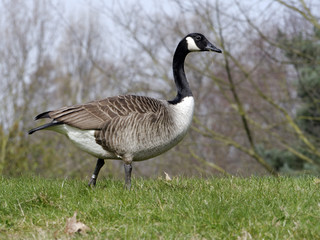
{"x": 216, "y": 208}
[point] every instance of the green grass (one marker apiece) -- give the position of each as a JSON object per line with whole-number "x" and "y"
{"x": 217, "y": 208}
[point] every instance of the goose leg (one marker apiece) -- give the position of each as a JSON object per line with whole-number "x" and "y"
{"x": 99, "y": 165}
{"x": 128, "y": 170}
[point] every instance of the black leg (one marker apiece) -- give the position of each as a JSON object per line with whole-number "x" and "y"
{"x": 99, "y": 165}
{"x": 128, "y": 170}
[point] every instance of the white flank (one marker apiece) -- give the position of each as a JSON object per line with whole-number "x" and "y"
{"x": 192, "y": 46}
{"x": 83, "y": 139}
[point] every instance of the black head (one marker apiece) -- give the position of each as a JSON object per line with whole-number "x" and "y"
{"x": 197, "y": 42}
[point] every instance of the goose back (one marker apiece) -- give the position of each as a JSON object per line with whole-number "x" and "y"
{"x": 93, "y": 115}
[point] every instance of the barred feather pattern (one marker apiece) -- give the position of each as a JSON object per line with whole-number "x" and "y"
{"x": 130, "y": 127}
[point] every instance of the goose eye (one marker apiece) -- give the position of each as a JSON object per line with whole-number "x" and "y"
{"x": 198, "y": 38}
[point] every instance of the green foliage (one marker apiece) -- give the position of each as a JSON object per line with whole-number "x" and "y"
{"x": 13, "y": 150}
{"x": 217, "y": 208}
{"x": 19, "y": 155}
{"x": 308, "y": 118}
{"x": 50, "y": 156}
{"x": 303, "y": 51}
{"x": 286, "y": 162}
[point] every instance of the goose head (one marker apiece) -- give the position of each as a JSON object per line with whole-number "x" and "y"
{"x": 196, "y": 42}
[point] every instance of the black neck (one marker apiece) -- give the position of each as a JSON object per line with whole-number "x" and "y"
{"x": 180, "y": 79}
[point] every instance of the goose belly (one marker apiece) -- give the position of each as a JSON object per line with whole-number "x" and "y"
{"x": 156, "y": 148}
{"x": 86, "y": 141}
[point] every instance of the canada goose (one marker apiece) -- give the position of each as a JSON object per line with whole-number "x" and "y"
{"x": 131, "y": 128}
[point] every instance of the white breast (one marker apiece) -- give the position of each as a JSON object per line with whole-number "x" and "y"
{"x": 182, "y": 114}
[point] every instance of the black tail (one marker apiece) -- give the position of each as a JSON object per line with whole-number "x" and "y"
{"x": 43, "y": 126}
{"x": 43, "y": 115}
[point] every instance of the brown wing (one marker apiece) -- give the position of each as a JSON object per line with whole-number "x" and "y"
{"x": 93, "y": 115}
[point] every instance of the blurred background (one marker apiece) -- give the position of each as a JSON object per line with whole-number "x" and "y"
{"x": 257, "y": 104}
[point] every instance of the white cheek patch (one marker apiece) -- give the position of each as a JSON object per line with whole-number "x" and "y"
{"x": 192, "y": 46}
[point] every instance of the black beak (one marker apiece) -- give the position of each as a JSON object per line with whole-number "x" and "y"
{"x": 211, "y": 47}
